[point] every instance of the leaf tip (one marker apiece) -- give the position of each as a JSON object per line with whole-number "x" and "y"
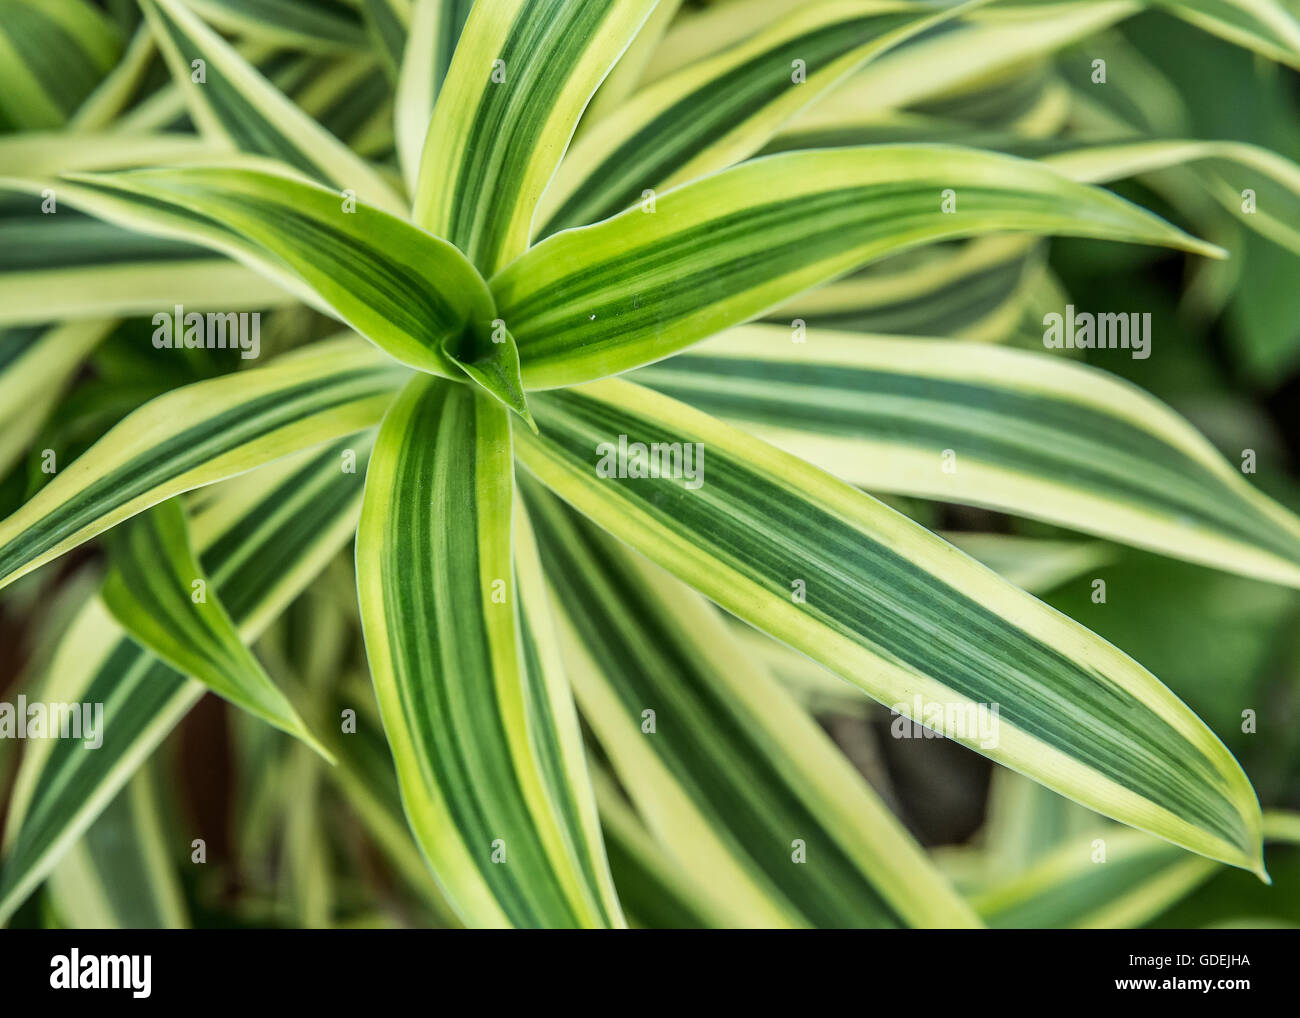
{"x": 1194, "y": 245}
{"x": 302, "y": 733}
{"x": 527, "y": 416}
{"x": 494, "y": 366}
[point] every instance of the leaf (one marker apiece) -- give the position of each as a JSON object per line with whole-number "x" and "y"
{"x": 737, "y": 778}
{"x": 464, "y": 671}
{"x": 410, "y": 293}
{"x": 36, "y": 365}
{"x": 1032, "y": 101}
{"x": 119, "y": 875}
{"x": 352, "y": 99}
{"x": 234, "y": 103}
{"x": 150, "y": 591}
{"x": 117, "y": 88}
{"x": 897, "y": 611}
{"x": 196, "y": 435}
{"x": 655, "y": 891}
{"x": 312, "y": 25}
{"x": 89, "y": 269}
{"x": 715, "y": 252}
{"x": 365, "y": 777}
{"x": 36, "y": 153}
{"x": 701, "y": 30}
{"x": 1140, "y": 879}
{"x": 719, "y": 111}
{"x": 1035, "y": 564}
{"x": 1264, "y": 26}
{"x": 1233, "y": 167}
{"x": 387, "y": 23}
{"x": 1028, "y": 433}
{"x": 435, "y": 30}
{"x": 52, "y": 55}
{"x": 1023, "y": 821}
{"x": 520, "y": 79}
{"x": 169, "y": 222}
{"x": 966, "y": 55}
{"x": 36, "y": 360}
{"x": 974, "y": 290}
{"x": 626, "y": 75}
{"x": 261, "y": 540}
{"x": 1225, "y": 168}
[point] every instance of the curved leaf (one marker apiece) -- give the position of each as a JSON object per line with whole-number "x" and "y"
{"x": 720, "y": 111}
{"x": 1026, "y": 433}
{"x": 312, "y": 25}
{"x": 623, "y": 80}
{"x": 120, "y": 874}
{"x": 656, "y": 891}
{"x": 967, "y": 54}
{"x": 713, "y": 253}
{"x": 463, "y": 672}
{"x": 1265, "y": 26}
{"x": 426, "y": 55}
{"x": 195, "y": 435}
{"x": 236, "y": 104}
{"x": 737, "y": 779}
{"x": 520, "y": 79}
{"x": 262, "y": 540}
{"x": 1274, "y": 178}
{"x": 410, "y": 293}
{"x": 974, "y": 290}
{"x": 52, "y": 55}
{"x": 895, "y": 610}
{"x": 36, "y": 153}
{"x": 1141, "y": 877}
{"x": 87, "y": 269}
{"x": 151, "y": 592}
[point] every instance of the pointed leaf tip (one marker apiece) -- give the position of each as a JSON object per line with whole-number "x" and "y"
{"x": 158, "y": 592}
{"x": 492, "y": 362}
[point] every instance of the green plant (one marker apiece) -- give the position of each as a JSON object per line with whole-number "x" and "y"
{"x": 514, "y": 549}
